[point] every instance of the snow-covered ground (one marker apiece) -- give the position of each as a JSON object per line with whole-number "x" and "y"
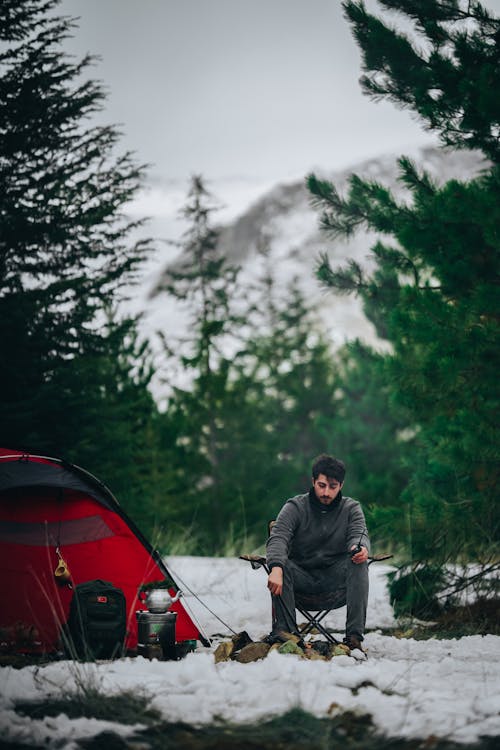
{"x": 446, "y": 688}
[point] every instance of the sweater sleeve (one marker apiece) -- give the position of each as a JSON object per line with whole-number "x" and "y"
{"x": 281, "y": 536}
{"x": 357, "y": 532}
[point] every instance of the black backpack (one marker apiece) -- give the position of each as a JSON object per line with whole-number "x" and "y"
{"x": 97, "y": 621}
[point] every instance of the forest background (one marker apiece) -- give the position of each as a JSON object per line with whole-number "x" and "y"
{"x": 264, "y": 390}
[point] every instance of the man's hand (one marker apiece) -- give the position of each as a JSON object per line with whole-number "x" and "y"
{"x": 361, "y": 556}
{"x": 275, "y": 581}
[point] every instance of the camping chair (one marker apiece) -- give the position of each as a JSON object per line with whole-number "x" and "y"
{"x": 313, "y": 607}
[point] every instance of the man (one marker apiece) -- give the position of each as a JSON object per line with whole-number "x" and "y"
{"x": 319, "y": 545}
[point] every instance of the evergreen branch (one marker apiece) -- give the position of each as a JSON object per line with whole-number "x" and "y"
{"x": 337, "y": 218}
{"x": 388, "y": 55}
{"x": 374, "y": 203}
{"x": 452, "y": 84}
{"x": 445, "y": 11}
{"x": 395, "y": 259}
{"x": 323, "y": 193}
{"x": 465, "y": 582}
{"x": 415, "y": 180}
{"x": 344, "y": 280}
{"x": 368, "y": 203}
{"x": 19, "y": 20}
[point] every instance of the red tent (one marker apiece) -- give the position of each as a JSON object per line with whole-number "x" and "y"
{"x": 52, "y": 510}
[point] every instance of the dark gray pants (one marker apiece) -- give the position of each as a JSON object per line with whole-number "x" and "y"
{"x": 345, "y": 580}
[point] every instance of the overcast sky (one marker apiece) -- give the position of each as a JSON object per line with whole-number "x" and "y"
{"x": 264, "y": 89}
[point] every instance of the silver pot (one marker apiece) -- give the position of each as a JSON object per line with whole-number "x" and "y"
{"x": 159, "y": 600}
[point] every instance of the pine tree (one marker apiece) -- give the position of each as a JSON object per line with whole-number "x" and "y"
{"x": 260, "y": 411}
{"x": 434, "y": 289}
{"x": 290, "y": 360}
{"x": 286, "y": 383}
{"x": 204, "y": 283}
{"x": 447, "y": 73}
{"x": 309, "y": 398}
{"x": 64, "y": 251}
{"x": 73, "y": 378}
{"x": 372, "y": 436}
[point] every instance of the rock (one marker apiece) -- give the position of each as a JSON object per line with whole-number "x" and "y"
{"x": 224, "y": 651}
{"x": 290, "y": 647}
{"x": 323, "y": 648}
{"x": 408, "y": 633}
{"x": 341, "y": 649}
{"x": 252, "y": 652}
{"x": 290, "y": 637}
{"x": 240, "y": 640}
{"x": 313, "y": 655}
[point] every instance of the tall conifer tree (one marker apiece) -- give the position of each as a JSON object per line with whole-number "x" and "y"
{"x": 204, "y": 283}
{"x": 434, "y": 290}
{"x": 73, "y": 378}
{"x": 284, "y": 395}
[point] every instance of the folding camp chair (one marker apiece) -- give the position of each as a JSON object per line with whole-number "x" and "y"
{"x": 313, "y": 607}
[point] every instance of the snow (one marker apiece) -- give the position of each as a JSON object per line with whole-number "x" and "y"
{"x": 446, "y": 688}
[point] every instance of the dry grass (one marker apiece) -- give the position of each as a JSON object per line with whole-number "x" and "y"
{"x": 479, "y": 618}
{"x": 124, "y": 708}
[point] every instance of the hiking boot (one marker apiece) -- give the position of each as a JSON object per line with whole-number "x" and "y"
{"x": 353, "y": 642}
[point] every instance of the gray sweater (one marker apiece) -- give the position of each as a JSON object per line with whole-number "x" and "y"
{"x": 314, "y": 535}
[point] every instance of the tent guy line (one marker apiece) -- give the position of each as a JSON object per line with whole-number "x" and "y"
{"x": 185, "y": 586}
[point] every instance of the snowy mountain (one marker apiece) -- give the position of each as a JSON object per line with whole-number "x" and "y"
{"x": 282, "y": 215}
{"x": 285, "y": 212}
{"x": 286, "y": 218}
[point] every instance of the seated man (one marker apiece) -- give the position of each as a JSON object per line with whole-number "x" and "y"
{"x": 319, "y": 545}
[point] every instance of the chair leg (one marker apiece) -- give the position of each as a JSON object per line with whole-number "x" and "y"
{"x": 314, "y": 621}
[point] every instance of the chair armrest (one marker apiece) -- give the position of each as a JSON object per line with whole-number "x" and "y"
{"x": 378, "y": 558}
{"x": 256, "y": 561}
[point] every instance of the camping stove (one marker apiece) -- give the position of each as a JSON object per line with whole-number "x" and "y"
{"x": 156, "y": 634}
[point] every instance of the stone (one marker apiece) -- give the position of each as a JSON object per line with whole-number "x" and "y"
{"x": 341, "y": 649}
{"x": 324, "y": 648}
{"x": 290, "y": 647}
{"x": 252, "y": 652}
{"x": 290, "y": 637}
{"x": 313, "y": 655}
{"x": 240, "y": 640}
{"x": 224, "y": 651}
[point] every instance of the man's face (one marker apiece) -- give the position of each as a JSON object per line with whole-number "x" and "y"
{"x": 326, "y": 488}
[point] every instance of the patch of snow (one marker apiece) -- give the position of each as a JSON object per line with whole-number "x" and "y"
{"x": 59, "y": 731}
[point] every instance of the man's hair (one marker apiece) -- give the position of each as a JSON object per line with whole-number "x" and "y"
{"x": 331, "y": 467}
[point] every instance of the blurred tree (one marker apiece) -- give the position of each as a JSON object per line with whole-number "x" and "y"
{"x": 204, "y": 283}
{"x": 433, "y": 293}
{"x": 247, "y": 425}
{"x": 71, "y": 380}
{"x": 371, "y": 435}
{"x": 286, "y": 382}
{"x": 313, "y": 399}
{"x": 103, "y": 417}
{"x": 290, "y": 361}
